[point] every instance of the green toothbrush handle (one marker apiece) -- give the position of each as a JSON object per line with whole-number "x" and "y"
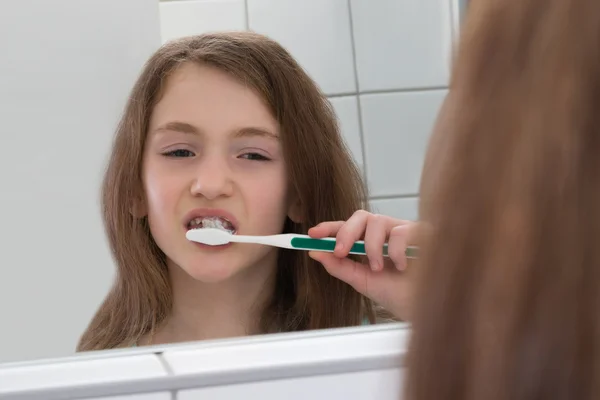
{"x": 329, "y": 245}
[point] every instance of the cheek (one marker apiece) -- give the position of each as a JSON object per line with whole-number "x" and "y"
{"x": 160, "y": 189}
{"x": 267, "y": 200}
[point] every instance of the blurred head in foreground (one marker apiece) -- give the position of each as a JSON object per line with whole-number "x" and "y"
{"x": 508, "y": 301}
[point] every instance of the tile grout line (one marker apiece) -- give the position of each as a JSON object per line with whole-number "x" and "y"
{"x": 246, "y": 15}
{"x": 165, "y": 364}
{"x": 361, "y": 128}
{"x": 389, "y": 91}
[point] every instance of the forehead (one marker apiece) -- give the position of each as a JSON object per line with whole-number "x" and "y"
{"x": 210, "y": 98}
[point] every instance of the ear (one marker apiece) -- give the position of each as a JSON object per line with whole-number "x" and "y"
{"x": 295, "y": 210}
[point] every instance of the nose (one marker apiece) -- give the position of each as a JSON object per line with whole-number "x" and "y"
{"x": 212, "y": 178}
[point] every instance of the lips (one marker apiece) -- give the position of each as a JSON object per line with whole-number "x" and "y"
{"x": 210, "y": 218}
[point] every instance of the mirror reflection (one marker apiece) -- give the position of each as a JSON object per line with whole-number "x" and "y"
{"x": 147, "y": 122}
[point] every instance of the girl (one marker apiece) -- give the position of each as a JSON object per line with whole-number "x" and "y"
{"x": 224, "y": 130}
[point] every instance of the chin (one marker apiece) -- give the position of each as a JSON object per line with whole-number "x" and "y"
{"x": 209, "y": 274}
{"x": 217, "y": 266}
{"x": 211, "y": 268}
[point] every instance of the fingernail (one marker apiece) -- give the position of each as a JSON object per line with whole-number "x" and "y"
{"x": 376, "y": 266}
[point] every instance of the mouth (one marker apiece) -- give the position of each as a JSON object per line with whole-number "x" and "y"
{"x": 214, "y": 222}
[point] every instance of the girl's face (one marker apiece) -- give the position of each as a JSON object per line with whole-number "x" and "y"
{"x": 213, "y": 155}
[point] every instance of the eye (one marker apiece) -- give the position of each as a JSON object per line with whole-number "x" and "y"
{"x": 254, "y": 157}
{"x": 179, "y": 153}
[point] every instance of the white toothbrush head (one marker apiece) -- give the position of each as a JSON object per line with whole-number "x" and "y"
{"x": 209, "y": 236}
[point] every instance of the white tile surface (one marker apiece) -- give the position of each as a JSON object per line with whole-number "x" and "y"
{"x": 402, "y": 208}
{"x": 346, "y": 109}
{"x": 364, "y": 385}
{"x": 397, "y": 127}
{"x": 315, "y": 32}
{"x": 143, "y": 396}
{"x": 297, "y": 366}
{"x": 187, "y": 17}
{"x": 76, "y": 373}
{"x": 402, "y": 44}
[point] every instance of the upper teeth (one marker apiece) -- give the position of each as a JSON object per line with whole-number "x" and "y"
{"x": 211, "y": 222}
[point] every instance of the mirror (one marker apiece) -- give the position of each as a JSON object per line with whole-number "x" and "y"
{"x": 66, "y": 76}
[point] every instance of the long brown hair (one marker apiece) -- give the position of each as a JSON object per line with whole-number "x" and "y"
{"x": 508, "y": 300}
{"x": 321, "y": 173}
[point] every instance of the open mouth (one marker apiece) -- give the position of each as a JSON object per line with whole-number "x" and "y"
{"x": 212, "y": 222}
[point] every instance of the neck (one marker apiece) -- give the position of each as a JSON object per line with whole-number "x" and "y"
{"x": 231, "y": 308}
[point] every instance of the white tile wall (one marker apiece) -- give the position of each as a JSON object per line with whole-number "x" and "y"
{"x": 346, "y": 108}
{"x": 316, "y": 32}
{"x": 194, "y": 17}
{"x": 396, "y": 130}
{"x": 402, "y": 208}
{"x": 384, "y": 64}
{"x": 401, "y": 44}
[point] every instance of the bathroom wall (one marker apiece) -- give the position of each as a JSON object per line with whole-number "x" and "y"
{"x": 66, "y": 69}
{"x": 384, "y": 65}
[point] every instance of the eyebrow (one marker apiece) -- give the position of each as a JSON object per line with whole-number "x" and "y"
{"x": 253, "y": 131}
{"x": 184, "y": 127}
{"x": 177, "y": 126}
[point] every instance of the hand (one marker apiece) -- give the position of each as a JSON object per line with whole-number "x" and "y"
{"x": 386, "y": 281}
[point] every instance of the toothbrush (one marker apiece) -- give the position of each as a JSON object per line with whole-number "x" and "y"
{"x": 218, "y": 237}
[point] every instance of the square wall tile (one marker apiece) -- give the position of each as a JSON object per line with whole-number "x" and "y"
{"x": 315, "y": 32}
{"x": 401, "y": 208}
{"x": 195, "y": 17}
{"x": 402, "y": 44}
{"x": 346, "y": 109}
{"x": 396, "y": 130}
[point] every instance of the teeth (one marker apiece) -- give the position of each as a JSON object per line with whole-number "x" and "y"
{"x": 211, "y": 222}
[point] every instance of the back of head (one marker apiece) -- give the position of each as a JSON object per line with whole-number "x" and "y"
{"x": 508, "y": 300}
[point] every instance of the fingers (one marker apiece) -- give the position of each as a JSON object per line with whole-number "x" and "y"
{"x": 397, "y": 245}
{"x": 325, "y": 229}
{"x": 374, "y": 228}
{"x": 375, "y": 236}
{"x": 350, "y": 232}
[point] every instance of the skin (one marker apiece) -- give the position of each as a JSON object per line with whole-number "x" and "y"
{"x": 213, "y": 144}
{"x": 385, "y": 280}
